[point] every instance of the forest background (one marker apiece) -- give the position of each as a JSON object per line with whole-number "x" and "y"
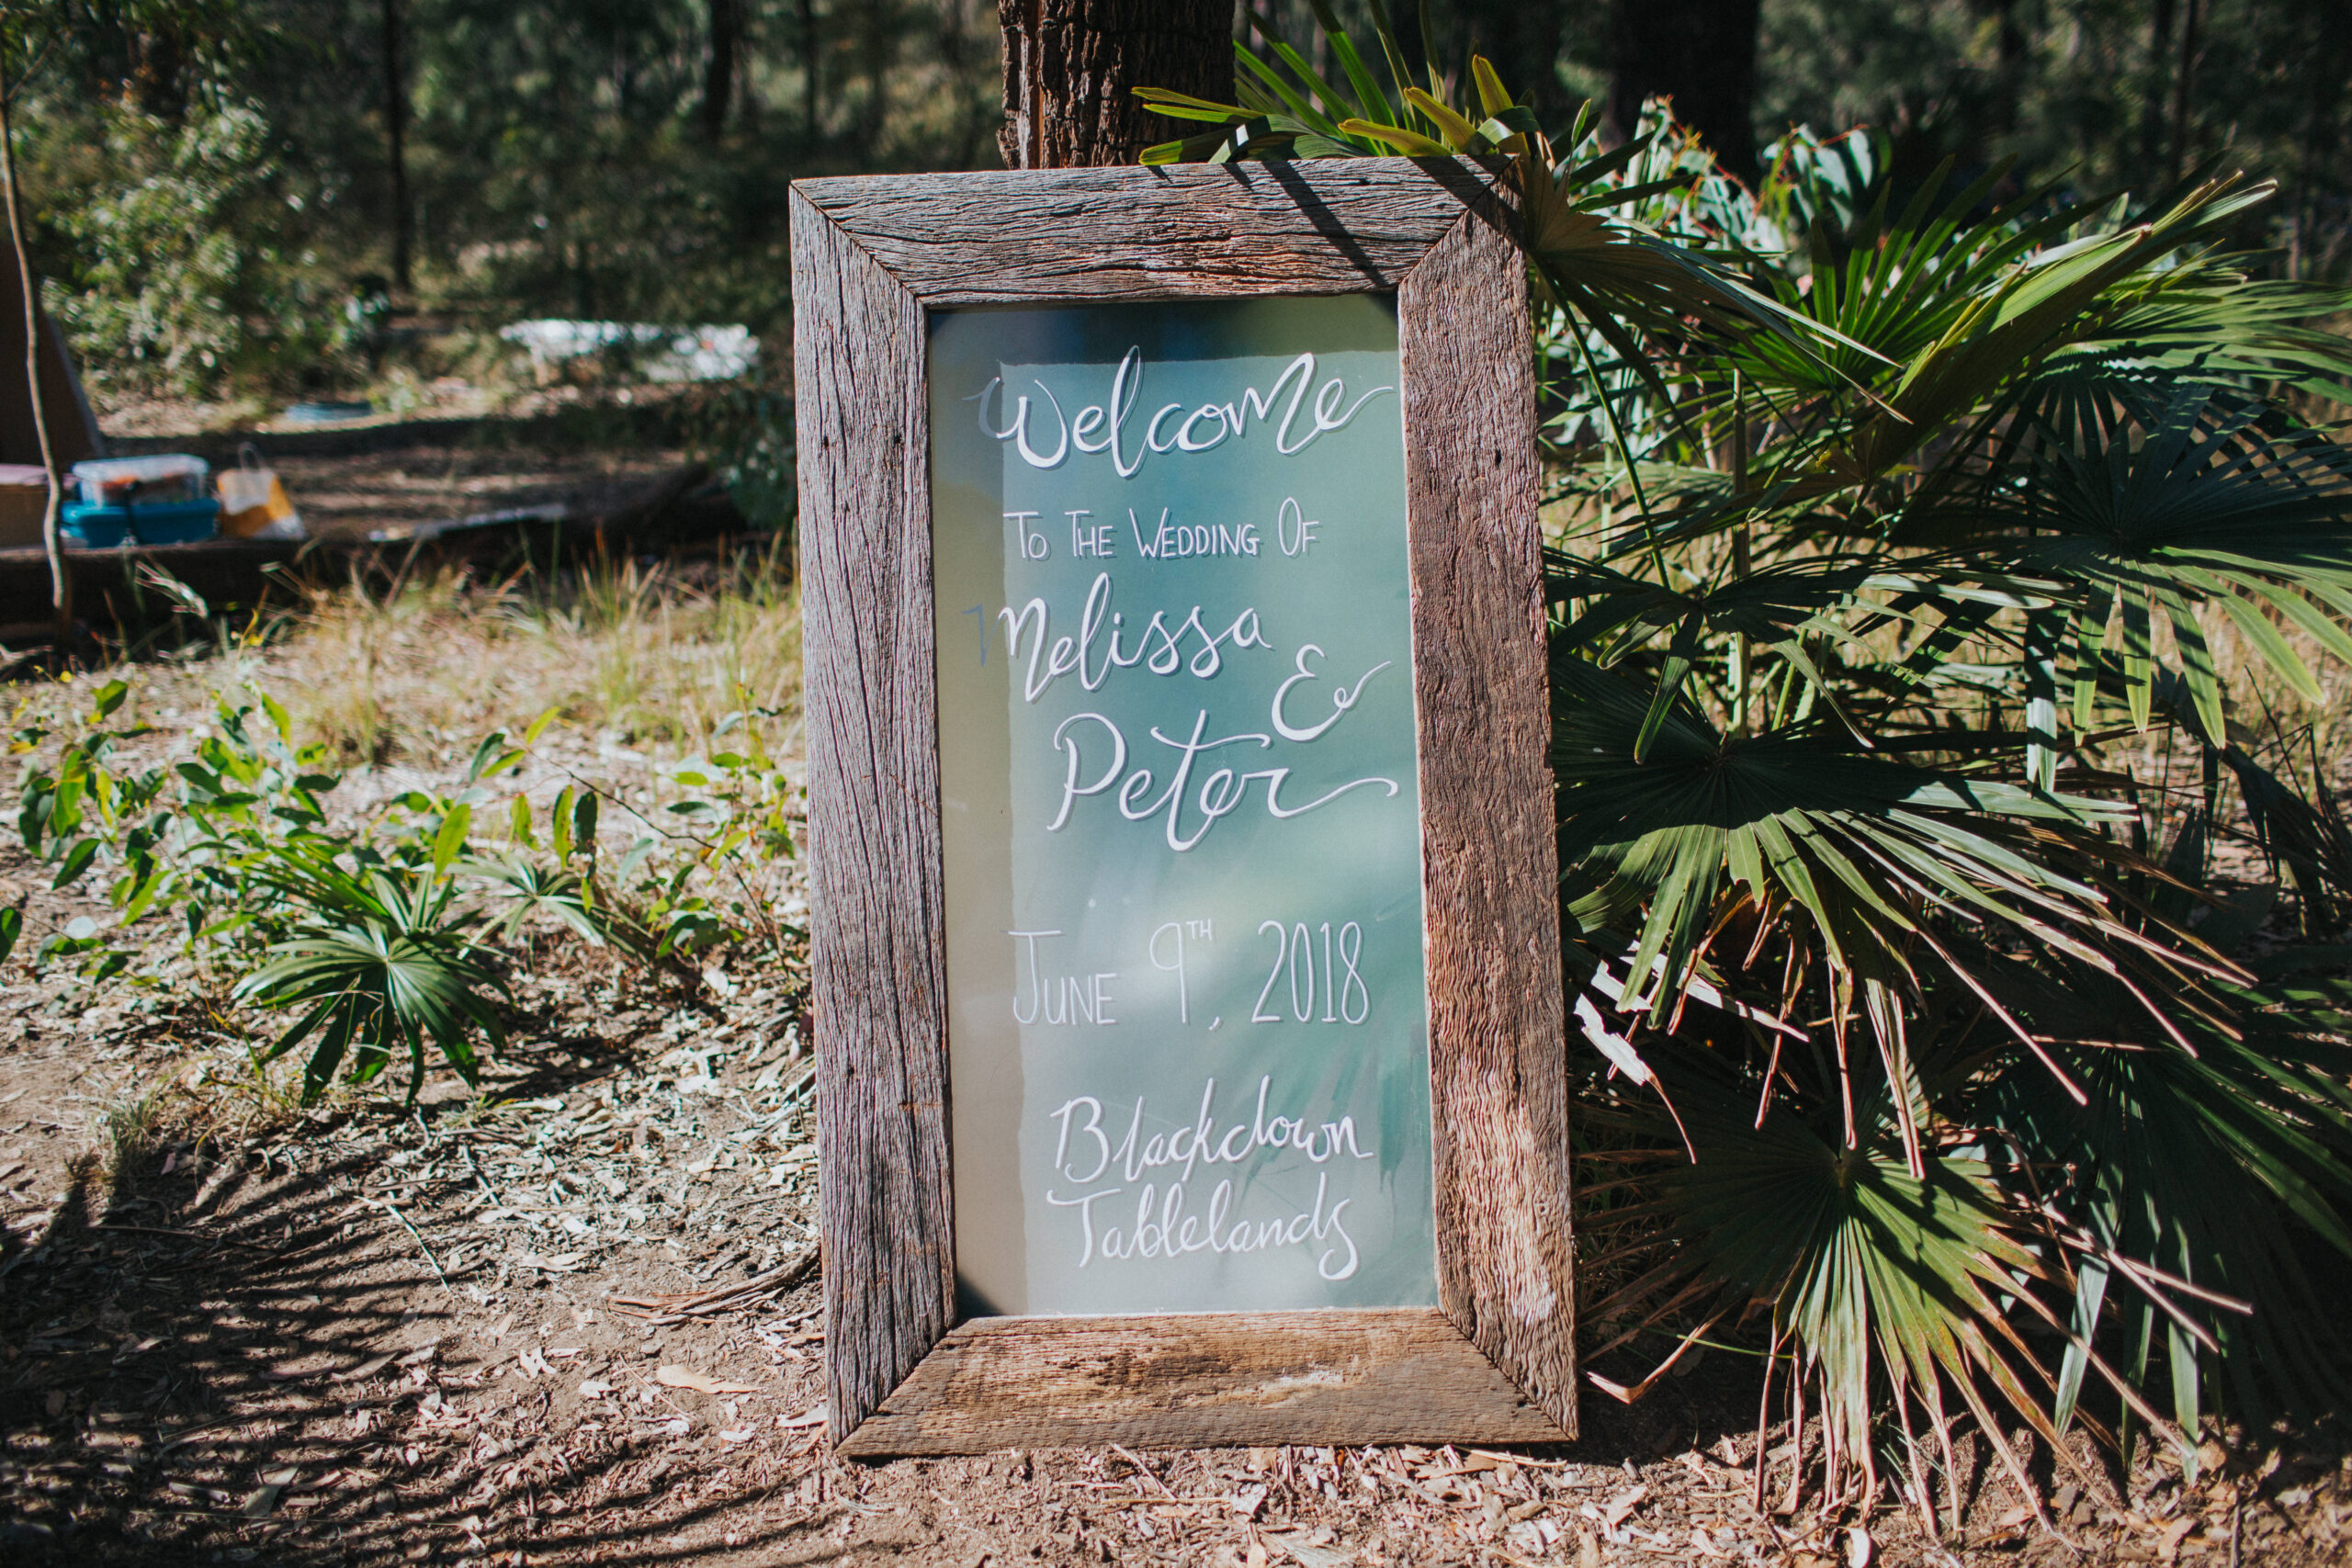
{"x": 241, "y": 203}
{"x": 235, "y": 201}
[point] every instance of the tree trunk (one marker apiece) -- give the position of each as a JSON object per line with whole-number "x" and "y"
{"x": 1071, "y": 68}
{"x": 396, "y": 143}
{"x": 718, "y": 76}
{"x": 60, "y": 580}
{"x": 2184, "y": 86}
{"x": 1701, "y": 53}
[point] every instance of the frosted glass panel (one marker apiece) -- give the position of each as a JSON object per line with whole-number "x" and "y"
{"x": 1187, "y": 1019}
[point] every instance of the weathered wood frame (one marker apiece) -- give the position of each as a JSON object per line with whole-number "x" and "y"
{"x": 1495, "y": 1361}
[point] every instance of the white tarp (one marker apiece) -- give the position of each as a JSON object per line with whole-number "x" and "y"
{"x": 660, "y": 353}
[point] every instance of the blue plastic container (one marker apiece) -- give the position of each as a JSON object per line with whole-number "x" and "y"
{"x": 108, "y": 527}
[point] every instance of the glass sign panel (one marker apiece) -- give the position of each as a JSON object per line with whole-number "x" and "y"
{"x": 1188, "y": 1013}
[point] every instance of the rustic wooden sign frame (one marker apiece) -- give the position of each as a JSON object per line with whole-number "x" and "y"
{"x": 1495, "y": 1361}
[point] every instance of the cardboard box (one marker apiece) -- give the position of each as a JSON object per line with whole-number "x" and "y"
{"x": 24, "y": 498}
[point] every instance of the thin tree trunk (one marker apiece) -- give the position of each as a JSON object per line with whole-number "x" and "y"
{"x": 2183, "y": 84}
{"x": 2009, "y": 40}
{"x": 2152, "y": 110}
{"x": 719, "y": 77}
{"x": 1071, "y": 68}
{"x": 159, "y": 68}
{"x": 1521, "y": 38}
{"x": 61, "y": 582}
{"x": 958, "y": 51}
{"x": 396, "y": 138}
{"x": 878, "y": 51}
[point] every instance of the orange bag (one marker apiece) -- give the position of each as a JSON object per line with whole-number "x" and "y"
{"x": 253, "y": 505}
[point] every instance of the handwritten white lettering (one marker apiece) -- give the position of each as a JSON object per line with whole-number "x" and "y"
{"x": 1097, "y": 427}
{"x": 1161, "y": 1228}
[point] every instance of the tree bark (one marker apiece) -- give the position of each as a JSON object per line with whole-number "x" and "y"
{"x": 718, "y": 74}
{"x": 1701, "y": 53}
{"x": 60, "y": 580}
{"x": 1071, "y": 68}
{"x": 396, "y": 143}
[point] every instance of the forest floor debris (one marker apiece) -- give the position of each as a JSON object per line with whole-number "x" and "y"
{"x": 575, "y": 1319}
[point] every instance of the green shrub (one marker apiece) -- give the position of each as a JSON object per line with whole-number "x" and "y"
{"x": 1901, "y": 541}
{"x": 387, "y": 936}
{"x": 180, "y": 276}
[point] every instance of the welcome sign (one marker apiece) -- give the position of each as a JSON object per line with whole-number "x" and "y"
{"x": 1184, "y": 942}
{"x": 1182, "y": 808}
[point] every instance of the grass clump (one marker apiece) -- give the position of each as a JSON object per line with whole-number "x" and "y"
{"x": 657, "y": 654}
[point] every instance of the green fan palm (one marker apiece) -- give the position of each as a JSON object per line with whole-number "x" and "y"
{"x": 1882, "y": 1278}
{"x": 2154, "y": 501}
{"x": 382, "y": 959}
{"x": 1879, "y": 519}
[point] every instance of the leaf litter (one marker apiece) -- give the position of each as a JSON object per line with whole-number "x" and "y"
{"x": 577, "y": 1319}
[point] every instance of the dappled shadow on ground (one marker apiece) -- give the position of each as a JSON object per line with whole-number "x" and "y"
{"x": 300, "y": 1354}
{"x": 260, "y": 1364}
{"x": 263, "y": 1363}
{"x": 289, "y": 1360}
{"x": 358, "y": 1343}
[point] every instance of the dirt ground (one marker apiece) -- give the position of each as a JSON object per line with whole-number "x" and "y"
{"x": 370, "y": 1336}
{"x": 387, "y": 478}
{"x": 574, "y": 1319}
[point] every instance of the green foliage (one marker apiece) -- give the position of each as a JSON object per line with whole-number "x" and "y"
{"x": 210, "y": 182}
{"x": 379, "y": 959}
{"x": 744, "y": 430}
{"x": 178, "y": 274}
{"x": 1920, "y": 556}
{"x": 1897, "y": 538}
{"x": 2090, "y": 92}
{"x": 1587, "y": 254}
{"x": 385, "y": 936}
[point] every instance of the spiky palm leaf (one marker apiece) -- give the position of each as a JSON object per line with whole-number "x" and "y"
{"x": 1798, "y": 841}
{"x": 1883, "y": 1278}
{"x": 1858, "y": 488}
{"x": 382, "y": 960}
{"x": 2259, "y": 1110}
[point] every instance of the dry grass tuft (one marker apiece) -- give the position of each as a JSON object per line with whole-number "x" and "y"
{"x": 652, "y": 658}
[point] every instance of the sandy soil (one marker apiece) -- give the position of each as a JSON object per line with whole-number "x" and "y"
{"x": 575, "y": 1320}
